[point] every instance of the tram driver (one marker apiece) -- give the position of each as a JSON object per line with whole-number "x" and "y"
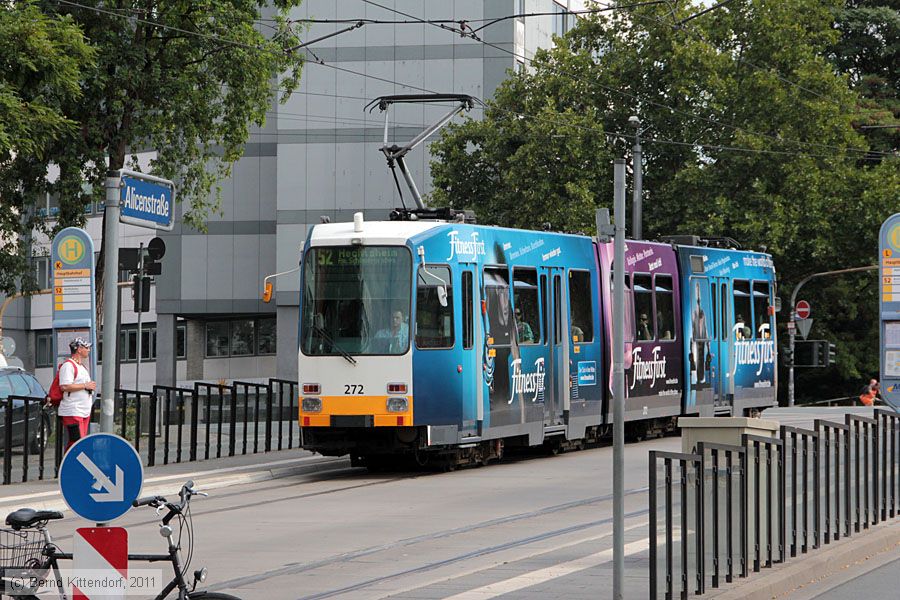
{"x": 393, "y": 340}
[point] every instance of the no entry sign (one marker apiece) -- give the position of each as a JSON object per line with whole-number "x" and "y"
{"x": 802, "y": 310}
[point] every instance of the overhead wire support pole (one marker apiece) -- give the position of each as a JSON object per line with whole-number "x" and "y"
{"x": 110, "y": 306}
{"x": 619, "y": 383}
{"x": 791, "y": 332}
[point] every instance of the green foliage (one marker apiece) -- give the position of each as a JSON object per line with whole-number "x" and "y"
{"x": 747, "y": 132}
{"x": 186, "y": 78}
{"x": 868, "y": 50}
{"x": 43, "y": 60}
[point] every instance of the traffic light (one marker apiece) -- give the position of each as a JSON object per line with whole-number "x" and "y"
{"x": 821, "y": 353}
{"x": 787, "y": 358}
{"x": 141, "y": 294}
{"x": 811, "y": 353}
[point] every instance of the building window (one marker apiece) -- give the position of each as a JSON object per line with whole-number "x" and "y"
{"x": 44, "y": 350}
{"x": 181, "y": 341}
{"x": 217, "y": 340}
{"x": 242, "y": 338}
{"x": 265, "y": 336}
{"x": 42, "y": 271}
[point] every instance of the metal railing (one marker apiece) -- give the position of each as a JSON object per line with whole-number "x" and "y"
{"x": 166, "y": 425}
{"x": 729, "y": 511}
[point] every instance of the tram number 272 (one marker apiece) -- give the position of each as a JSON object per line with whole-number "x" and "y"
{"x": 353, "y": 389}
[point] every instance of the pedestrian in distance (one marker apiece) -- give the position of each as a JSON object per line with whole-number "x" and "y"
{"x": 869, "y": 393}
{"x": 77, "y": 387}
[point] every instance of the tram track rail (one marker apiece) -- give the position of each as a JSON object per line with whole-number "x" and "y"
{"x": 296, "y": 568}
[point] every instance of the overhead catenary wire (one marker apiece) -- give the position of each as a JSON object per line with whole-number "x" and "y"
{"x": 870, "y": 156}
{"x": 638, "y": 99}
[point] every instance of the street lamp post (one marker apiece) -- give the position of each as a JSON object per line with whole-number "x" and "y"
{"x": 791, "y": 335}
{"x": 636, "y": 206}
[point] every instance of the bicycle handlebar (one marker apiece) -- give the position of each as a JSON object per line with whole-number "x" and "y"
{"x": 154, "y": 501}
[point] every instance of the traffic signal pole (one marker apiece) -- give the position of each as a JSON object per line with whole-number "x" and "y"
{"x": 139, "y": 289}
{"x": 791, "y": 330}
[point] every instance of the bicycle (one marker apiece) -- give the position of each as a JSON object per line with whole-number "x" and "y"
{"x": 28, "y": 553}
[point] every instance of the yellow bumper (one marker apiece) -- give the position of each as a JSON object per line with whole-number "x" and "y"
{"x": 374, "y": 406}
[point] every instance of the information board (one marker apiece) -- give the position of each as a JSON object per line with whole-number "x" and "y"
{"x": 74, "y": 310}
{"x": 889, "y": 304}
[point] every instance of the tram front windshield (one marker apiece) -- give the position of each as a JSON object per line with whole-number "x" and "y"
{"x": 356, "y": 300}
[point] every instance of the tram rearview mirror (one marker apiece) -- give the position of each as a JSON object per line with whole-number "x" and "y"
{"x": 442, "y": 295}
{"x": 267, "y": 292}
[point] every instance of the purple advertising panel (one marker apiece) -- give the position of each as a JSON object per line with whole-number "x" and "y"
{"x": 653, "y": 330}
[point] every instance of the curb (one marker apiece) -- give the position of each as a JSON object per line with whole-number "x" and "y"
{"x": 212, "y": 479}
{"x": 784, "y": 578}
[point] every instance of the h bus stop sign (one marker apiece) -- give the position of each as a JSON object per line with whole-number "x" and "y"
{"x": 100, "y": 476}
{"x": 889, "y": 274}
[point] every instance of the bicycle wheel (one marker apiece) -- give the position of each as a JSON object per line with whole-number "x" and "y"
{"x": 212, "y": 596}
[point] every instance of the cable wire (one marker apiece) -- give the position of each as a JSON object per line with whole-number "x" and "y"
{"x": 638, "y": 99}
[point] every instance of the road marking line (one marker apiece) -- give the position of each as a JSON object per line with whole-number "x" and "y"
{"x": 525, "y": 580}
{"x": 497, "y": 563}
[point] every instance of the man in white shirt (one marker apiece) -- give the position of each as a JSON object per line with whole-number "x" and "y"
{"x": 77, "y": 387}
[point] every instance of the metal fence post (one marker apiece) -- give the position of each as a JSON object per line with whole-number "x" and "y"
{"x": 653, "y": 516}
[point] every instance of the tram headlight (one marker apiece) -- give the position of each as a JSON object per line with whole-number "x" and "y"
{"x": 397, "y": 405}
{"x": 313, "y": 405}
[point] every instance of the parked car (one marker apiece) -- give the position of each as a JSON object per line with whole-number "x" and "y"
{"x": 16, "y": 382}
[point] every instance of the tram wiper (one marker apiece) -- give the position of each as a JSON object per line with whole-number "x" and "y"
{"x": 321, "y": 331}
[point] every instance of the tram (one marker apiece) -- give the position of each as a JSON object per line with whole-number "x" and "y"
{"x": 448, "y": 341}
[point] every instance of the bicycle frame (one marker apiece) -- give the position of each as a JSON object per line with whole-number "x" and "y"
{"x": 172, "y": 557}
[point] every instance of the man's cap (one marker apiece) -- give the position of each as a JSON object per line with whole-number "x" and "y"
{"x": 79, "y": 342}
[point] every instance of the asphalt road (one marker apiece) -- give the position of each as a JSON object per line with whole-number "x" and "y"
{"x": 536, "y": 527}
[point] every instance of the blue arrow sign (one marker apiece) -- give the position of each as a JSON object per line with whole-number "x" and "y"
{"x": 146, "y": 201}
{"x": 100, "y": 476}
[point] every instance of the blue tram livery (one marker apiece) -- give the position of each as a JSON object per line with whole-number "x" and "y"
{"x": 447, "y": 341}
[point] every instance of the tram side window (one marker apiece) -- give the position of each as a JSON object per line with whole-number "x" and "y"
{"x": 434, "y": 319}
{"x": 724, "y": 298}
{"x": 467, "y": 311}
{"x": 665, "y": 307}
{"x": 643, "y": 306}
{"x": 742, "y": 315}
{"x": 544, "y": 308}
{"x": 496, "y": 293}
{"x": 582, "y": 311}
{"x": 761, "y": 309}
{"x": 557, "y": 312}
{"x": 525, "y": 301}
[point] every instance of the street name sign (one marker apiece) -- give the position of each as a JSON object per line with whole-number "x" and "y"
{"x": 146, "y": 201}
{"x": 100, "y": 476}
{"x": 889, "y": 304}
{"x": 803, "y": 310}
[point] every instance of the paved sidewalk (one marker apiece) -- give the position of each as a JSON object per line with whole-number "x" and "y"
{"x": 166, "y": 479}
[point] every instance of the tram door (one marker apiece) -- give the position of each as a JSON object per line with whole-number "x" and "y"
{"x": 702, "y": 349}
{"x": 556, "y": 385}
{"x": 720, "y": 377}
{"x": 472, "y": 390}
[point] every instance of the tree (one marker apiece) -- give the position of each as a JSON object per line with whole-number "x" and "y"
{"x": 748, "y": 133}
{"x": 184, "y": 78}
{"x": 868, "y": 50}
{"x": 43, "y": 58}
